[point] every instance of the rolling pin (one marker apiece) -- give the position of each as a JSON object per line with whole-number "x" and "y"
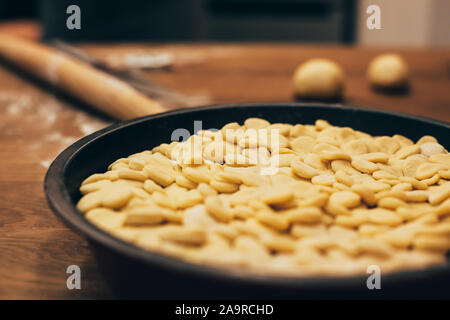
{"x": 94, "y": 87}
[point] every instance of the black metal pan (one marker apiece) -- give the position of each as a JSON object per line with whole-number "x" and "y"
{"x": 134, "y": 272}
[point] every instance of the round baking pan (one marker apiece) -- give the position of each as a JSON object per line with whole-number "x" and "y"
{"x": 137, "y": 273}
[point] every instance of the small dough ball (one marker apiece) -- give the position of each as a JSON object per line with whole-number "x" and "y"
{"x": 388, "y": 71}
{"x": 318, "y": 78}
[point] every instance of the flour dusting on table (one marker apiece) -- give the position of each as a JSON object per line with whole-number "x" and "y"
{"x": 53, "y": 124}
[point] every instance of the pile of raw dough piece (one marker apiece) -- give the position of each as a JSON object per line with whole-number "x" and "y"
{"x": 338, "y": 201}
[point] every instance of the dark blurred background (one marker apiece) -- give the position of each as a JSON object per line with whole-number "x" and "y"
{"x": 421, "y": 23}
{"x": 191, "y": 20}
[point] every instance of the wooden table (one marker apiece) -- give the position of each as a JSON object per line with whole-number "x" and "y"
{"x": 36, "y": 124}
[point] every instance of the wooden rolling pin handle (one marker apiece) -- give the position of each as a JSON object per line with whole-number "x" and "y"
{"x": 96, "y": 88}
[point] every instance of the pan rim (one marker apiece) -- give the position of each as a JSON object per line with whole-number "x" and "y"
{"x": 59, "y": 201}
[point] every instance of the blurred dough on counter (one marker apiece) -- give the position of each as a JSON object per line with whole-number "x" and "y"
{"x": 318, "y": 79}
{"x": 388, "y": 71}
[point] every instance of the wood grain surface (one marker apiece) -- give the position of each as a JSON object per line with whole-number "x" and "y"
{"x": 36, "y": 123}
